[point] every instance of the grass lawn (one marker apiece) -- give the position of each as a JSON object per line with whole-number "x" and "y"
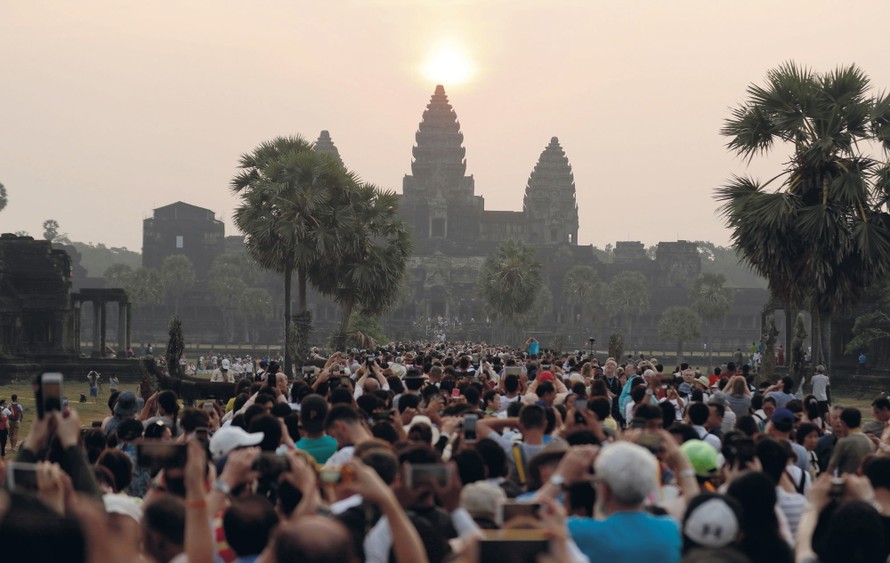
{"x": 90, "y": 412}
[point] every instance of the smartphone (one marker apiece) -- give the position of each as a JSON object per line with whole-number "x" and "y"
{"x": 837, "y": 487}
{"x": 21, "y": 477}
{"x": 96, "y": 424}
{"x": 202, "y": 434}
{"x": 638, "y": 423}
{"x": 455, "y": 392}
{"x": 334, "y": 475}
{"x": 207, "y": 406}
{"x": 308, "y": 370}
{"x": 513, "y": 370}
{"x": 160, "y": 454}
{"x": 345, "y": 381}
{"x": 48, "y": 393}
{"x": 580, "y": 405}
{"x": 271, "y": 465}
{"x": 521, "y": 546}
{"x": 651, "y": 441}
{"x": 510, "y": 509}
{"x": 427, "y": 474}
{"x": 470, "y": 428}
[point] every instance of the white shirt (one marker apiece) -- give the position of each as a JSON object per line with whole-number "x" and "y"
{"x": 225, "y": 363}
{"x": 706, "y": 436}
{"x": 820, "y": 386}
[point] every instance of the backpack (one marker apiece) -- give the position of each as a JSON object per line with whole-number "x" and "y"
{"x": 15, "y": 412}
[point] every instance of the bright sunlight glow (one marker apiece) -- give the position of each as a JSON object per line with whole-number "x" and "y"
{"x": 448, "y": 65}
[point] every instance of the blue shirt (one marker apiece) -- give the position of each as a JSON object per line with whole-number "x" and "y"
{"x": 629, "y": 537}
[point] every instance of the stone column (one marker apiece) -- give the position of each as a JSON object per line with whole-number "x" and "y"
{"x": 76, "y": 312}
{"x": 128, "y": 339}
{"x": 97, "y": 352}
{"x": 121, "y": 329}
{"x": 102, "y": 329}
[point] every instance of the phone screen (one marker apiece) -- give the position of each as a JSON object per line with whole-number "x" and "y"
{"x": 509, "y": 510}
{"x": 428, "y": 474}
{"x": 160, "y": 454}
{"x": 21, "y": 477}
{"x": 51, "y": 391}
{"x": 470, "y": 427}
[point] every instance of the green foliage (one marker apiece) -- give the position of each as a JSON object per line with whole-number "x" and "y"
{"x": 629, "y": 293}
{"x": 510, "y": 281}
{"x": 726, "y": 260}
{"x": 710, "y": 298}
{"x": 582, "y": 286}
{"x": 376, "y": 247}
{"x": 144, "y": 286}
{"x": 363, "y": 327}
{"x": 3, "y": 197}
{"x": 680, "y": 325}
{"x": 873, "y": 326}
{"x": 294, "y": 208}
{"x": 616, "y": 345}
{"x": 178, "y": 275}
{"x": 51, "y": 232}
{"x": 822, "y": 234}
{"x": 98, "y": 258}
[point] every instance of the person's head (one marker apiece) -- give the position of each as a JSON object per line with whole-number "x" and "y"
{"x": 712, "y": 521}
{"x": 807, "y": 435}
{"x": 313, "y": 410}
{"x": 313, "y": 538}
{"x": 850, "y": 419}
{"x": 716, "y": 412}
{"x": 756, "y": 493}
{"x": 877, "y": 469}
{"x": 698, "y": 414}
{"x": 880, "y": 408}
{"x": 129, "y": 430}
{"x": 248, "y": 523}
{"x": 773, "y": 457}
{"x": 511, "y": 383}
{"x": 493, "y": 456}
{"x": 769, "y": 406}
{"x": 120, "y": 466}
{"x": 546, "y": 392}
{"x": 650, "y": 416}
{"x": 32, "y": 531}
{"x": 193, "y": 418}
{"x": 168, "y": 404}
{"x": 532, "y": 417}
{"x": 625, "y": 475}
{"x": 738, "y": 386}
{"x": 491, "y": 401}
{"x": 341, "y": 423}
{"x": 855, "y": 534}
{"x": 163, "y": 527}
{"x": 271, "y": 429}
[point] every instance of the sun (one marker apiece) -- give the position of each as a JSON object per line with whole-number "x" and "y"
{"x": 448, "y": 65}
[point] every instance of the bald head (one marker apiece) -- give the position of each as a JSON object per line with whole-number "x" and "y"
{"x": 313, "y": 538}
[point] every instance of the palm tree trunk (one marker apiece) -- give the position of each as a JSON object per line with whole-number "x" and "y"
{"x": 825, "y": 334}
{"x": 288, "y": 275}
{"x": 679, "y": 352}
{"x": 346, "y": 313}
{"x": 302, "y": 303}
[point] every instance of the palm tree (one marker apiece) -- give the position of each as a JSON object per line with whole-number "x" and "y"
{"x": 376, "y": 248}
{"x": 629, "y": 294}
{"x": 582, "y": 287}
{"x": 820, "y": 236}
{"x": 291, "y": 202}
{"x": 179, "y": 276}
{"x": 679, "y": 324}
{"x": 712, "y": 301}
{"x": 510, "y": 281}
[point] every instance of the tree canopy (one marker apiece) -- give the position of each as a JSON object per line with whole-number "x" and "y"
{"x": 817, "y": 231}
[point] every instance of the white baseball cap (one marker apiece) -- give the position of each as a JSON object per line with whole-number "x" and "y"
{"x": 229, "y": 438}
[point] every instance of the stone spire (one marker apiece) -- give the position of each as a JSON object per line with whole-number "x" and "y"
{"x": 549, "y": 199}
{"x": 325, "y": 145}
{"x": 439, "y": 150}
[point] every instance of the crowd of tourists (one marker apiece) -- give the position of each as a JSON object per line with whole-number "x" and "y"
{"x": 458, "y": 452}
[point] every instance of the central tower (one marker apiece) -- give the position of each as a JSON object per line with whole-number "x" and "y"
{"x": 439, "y": 200}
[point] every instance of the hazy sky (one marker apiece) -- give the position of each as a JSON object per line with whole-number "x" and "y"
{"x": 109, "y": 109}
